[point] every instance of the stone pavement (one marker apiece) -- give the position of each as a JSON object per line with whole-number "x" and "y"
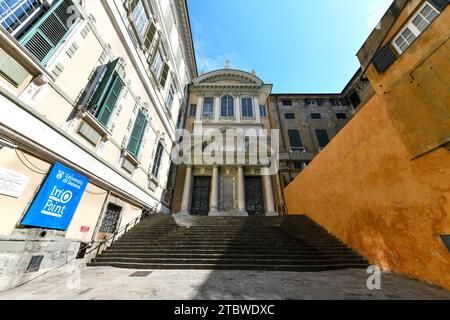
{"x": 107, "y": 283}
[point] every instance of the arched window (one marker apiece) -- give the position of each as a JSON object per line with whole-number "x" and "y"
{"x": 227, "y": 106}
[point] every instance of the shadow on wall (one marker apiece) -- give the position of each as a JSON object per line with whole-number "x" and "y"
{"x": 365, "y": 189}
{"x": 245, "y": 252}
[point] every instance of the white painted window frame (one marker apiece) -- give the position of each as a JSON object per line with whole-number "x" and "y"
{"x": 141, "y": 19}
{"x": 411, "y": 26}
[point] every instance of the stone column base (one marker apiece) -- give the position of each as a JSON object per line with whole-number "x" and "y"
{"x": 272, "y": 214}
{"x": 229, "y": 214}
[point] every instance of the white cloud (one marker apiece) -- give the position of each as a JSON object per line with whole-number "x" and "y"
{"x": 375, "y": 12}
{"x": 213, "y": 58}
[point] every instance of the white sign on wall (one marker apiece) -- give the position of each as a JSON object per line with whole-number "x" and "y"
{"x": 12, "y": 183}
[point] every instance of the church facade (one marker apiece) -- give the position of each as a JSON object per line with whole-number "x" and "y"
{"x": 227, "y": 111}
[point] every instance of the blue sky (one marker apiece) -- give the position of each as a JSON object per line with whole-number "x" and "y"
{"x": 300, "y": 46}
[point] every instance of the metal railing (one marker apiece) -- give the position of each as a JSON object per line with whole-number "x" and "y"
{"x": 118, "y": 233}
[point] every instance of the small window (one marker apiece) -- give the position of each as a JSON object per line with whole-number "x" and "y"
{"x": 137, "y": 134}
{"x": 405, "y": 39}
{"x": 286, "y": 102}
{"x": 41, "y": 37}
{"x": 157, "y": 160}
{"x": 341, "y": 116}
{"x": 171, "y": 96}
{"x": 208, "y": 107}
{"x": 227, "y": 106}
{"x": 335, "y": 102}
{"x": 289, "y": 116}
{"x": 158, "y": 64}
{"x": 13, "y": 14}
{"x": 322, "y": 137}
{"x": 295, "y": 140}
{"x": 263, "y": 111}
{"x": 247, "y": 107}
{"x": 311, "y": 102}
{"x": 299, "y": 165}
{"x": 316, "y": 116}
{"x": 140, "y": 18}
{"x": 106, "y": 93}
{"x": 192, "y": 110}
{"x": 416, "y": 25}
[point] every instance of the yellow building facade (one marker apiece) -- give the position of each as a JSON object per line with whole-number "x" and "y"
{"x": 381, "y": 186}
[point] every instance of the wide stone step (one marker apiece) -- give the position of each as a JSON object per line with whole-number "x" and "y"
{"x": 266, "y": 267}
{"x": 228, "y": 251}
{"x": 226, "y": 260}
{"x": 174, "y": 235}
{"x": 231, "y": 248}
{"x": 211, "y": 255}
{"x": 232, "y": 242}
{"x": 249, "y": 255}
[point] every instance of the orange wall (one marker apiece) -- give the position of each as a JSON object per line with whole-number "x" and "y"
{"x": 365, "y": 190}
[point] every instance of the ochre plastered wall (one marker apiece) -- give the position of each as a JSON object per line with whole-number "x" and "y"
{"x": 416, "y": 87}
{"x": 365, "y": 189}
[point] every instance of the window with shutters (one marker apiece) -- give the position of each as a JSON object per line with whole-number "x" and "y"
{"x": 106, "y": 93}
{"x": 39, "y": 30}
{"x": 289, "y": 116}
{"x": 311, "y": 102}
{"x": 322, "y": 137}
{"x": 295, "y": 140}
{"x": 263, "y": 111}
{"x": 192, "y": 110}
{"x": 208, "y": 107}
{"x": 247, "y": 107}
{"x": 171, "y": 96}
{"x": 140, "y": 18}
{"x": 160, "y": 68}
{"x": 157, "y": 161}
{"x": 227, "y": 106}
{"x": 137, "y": 134}
{"x": 336, "y": 102}
{"x": 341, "y": 116}
{"x": 415, "y": 26}
{"x": 15, "y": 15}
{"x": 158, "y": 64}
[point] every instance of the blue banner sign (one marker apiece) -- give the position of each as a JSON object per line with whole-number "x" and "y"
{"x": 57, "y": 200}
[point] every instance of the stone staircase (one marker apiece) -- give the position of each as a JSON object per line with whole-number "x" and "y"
{"x": 229, "y": 243}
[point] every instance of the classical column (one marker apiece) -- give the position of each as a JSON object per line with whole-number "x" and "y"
{"x": 214, "y": 197}
{"x": 256, "y": 109}
{"x": 268, "y": 192}
{"x": 187, "y": 192}
{"x": 237, "y": 108}
{"x": 199, "y": 108}
{"x": 241, "y": 190}
{"x": 217, "y": 108}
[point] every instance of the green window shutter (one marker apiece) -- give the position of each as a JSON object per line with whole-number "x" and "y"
{"x": 295, "y": 139}
{"x": 102, "y": 89}
{"x": 149, "y": 36}
{"x": 110, "y": 103}
{"x": 133, "y": 4}
{"x": 137, "y": 134}
{"x": 44, "y": 38}
{"x": 157, "y": 161}
{"x": 164, "y": 75}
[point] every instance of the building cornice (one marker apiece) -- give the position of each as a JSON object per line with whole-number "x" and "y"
{"x": 186, "y": 34}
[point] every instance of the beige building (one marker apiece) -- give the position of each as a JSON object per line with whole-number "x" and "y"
{"x": 221, "y": 101}
{"x": 98, "y": 87}
{"x": 308, "y": 122}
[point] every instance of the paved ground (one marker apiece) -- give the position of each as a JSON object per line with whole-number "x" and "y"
{"x": 111, "y": 283}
